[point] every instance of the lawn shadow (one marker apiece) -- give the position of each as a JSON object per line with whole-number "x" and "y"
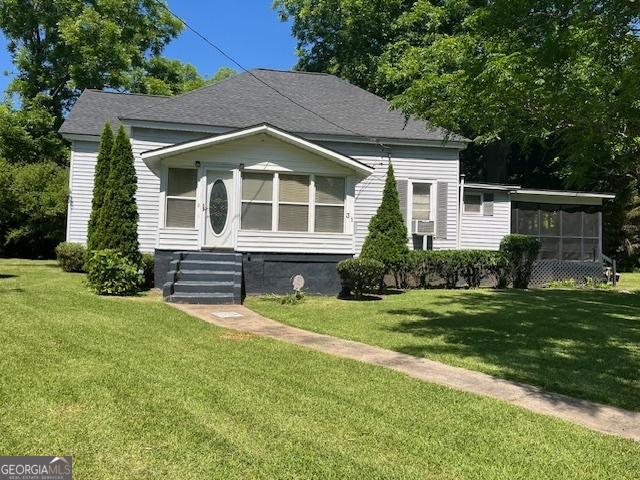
{"x": 571, "y": 341}
{"x": 4, "y": 276}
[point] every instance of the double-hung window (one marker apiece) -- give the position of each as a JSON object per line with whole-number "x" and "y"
{"x": 329, "y": 204}
{"x": 257, "y": 201}
{"x": 293, "y": 204}
{"x": 181, "y": 198}
{"x": 298, "y": 203}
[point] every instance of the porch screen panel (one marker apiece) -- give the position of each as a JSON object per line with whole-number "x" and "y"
{"x": 257, "y": 201}
{"x": 329, "y": 208}
{"x": 181, "y": 198}
{"x": 293, "y": 215}
{"x": 566, "y": 232}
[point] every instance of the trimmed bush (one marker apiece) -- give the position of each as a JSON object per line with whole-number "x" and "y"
{"x": 111, "y": 273}
{"x": 499, "y": 267}
{"x": 118, "y": 219}
{"x": 360, "y": 274}
{"x": 71, "y": 257}
{"x": 520, "y": 252}
{"x": 95, "y": 235}
{"x": 147, "y": 265}
{"x": 387, "y": 238}
{"x": 475, "y": 265}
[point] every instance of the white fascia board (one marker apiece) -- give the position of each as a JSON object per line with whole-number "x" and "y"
{"x": 489, "y": 186}
{"x": 153, "y": 157}
{"x": 82, "y": 138}
{"x": 564, "y": 193}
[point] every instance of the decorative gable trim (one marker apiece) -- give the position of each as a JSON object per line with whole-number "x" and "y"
{"x": 153, "y": 158}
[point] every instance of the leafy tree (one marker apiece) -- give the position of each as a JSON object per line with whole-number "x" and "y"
{"x": 118, "y": 219}
{"x": 95, "y": 237}
{"x": 387, "y": 238}
{"x": 28, "y": 135}
{"x": 61, "y": 47}
{"x": 161, "y": 76}
{"x": 547, "y": 89}
{"x": 37, "y": 201}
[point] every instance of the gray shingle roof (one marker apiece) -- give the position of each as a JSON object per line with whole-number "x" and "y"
{"x": 94, "y": 107}
{"x": 246, "y": 99}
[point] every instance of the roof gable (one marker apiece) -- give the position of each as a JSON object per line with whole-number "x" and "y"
{"x": 153, "y": 158}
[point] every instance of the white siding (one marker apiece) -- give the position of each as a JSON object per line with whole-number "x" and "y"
{"x": 295, "y": 242}
{"x": 485, "y": 232}
{"x": 437, "y": 165}
{"x": 148, "y": 193}
{"x": 83, "y": 163}
{"x": 178, "y": 238}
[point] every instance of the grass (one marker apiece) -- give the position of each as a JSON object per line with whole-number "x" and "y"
{"x": 584, "y": 343}
{"x": 133, "y": 388}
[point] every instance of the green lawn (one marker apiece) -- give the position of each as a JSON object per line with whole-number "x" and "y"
{"x": 583, "y": 343}
{"x": 135, "y": 389}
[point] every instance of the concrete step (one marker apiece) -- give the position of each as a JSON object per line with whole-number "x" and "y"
{"x": 205, "y": 276}
{"x": 218, "y": 265}
{"x": 204, "y": 287}
{"x": 203, "y": 298}
{"x": 211, "y": 256}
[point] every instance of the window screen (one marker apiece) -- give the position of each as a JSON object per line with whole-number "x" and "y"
{"x": 566, "y": 232}
{"x": 181, "y": 198}
{"x": 329, "y": 208}
{"x": 421, "y": 201}
{"x": 472, "y": 202}
{"x": 257, "y": 201}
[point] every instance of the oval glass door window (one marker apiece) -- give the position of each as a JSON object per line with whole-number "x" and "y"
{"x": 218, "y": 207}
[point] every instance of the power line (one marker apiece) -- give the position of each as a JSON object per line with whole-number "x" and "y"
{"x": 383, "y": 147}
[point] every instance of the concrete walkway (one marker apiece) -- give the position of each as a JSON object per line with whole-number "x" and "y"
{"x": 603, "y": 418}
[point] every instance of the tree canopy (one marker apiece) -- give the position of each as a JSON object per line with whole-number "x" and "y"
{"x": 60, "y": 47}
{"x": 547, "y": 89}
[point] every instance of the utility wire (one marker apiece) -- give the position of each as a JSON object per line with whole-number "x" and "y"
{"x": 383, "y": 147}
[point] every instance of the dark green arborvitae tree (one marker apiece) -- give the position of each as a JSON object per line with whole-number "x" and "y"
{"x": 95, "y": 237}
{"x": 119, "y": 213}
{"x": 387, "y": 239}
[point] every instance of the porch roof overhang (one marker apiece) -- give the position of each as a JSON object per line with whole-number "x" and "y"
{"x": 566, "y": 193}
{"x": 153, "y": 158}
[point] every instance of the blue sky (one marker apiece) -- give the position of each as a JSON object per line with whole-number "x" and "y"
{"x": 247, "y": 30}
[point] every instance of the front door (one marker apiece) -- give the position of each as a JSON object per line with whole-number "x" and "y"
{"x": 219, "y": 222}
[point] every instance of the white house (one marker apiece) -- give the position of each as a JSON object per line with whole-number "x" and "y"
{"x": 268, "y": 174}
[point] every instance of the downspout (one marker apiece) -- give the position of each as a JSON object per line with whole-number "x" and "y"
{"x": 460, "y": 209}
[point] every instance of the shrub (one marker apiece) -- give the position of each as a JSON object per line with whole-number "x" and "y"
{"x": 475, "y": 265}
{"x": 499, "y": 267}
{"x": 360, "y": 274}
{"x": 95, "y": 236}
{"x": 147, "y": 265}
{"x": 110, "y": 273}
{"x": 118, "y": 218}
{"x": 71, "y": 257}
{"x": 520, "y": 252}
{"x": 387, "y": 238}
{"x": 420, "y": 267}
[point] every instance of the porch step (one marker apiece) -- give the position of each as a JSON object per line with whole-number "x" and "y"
{"x": 204, "y": 278}
{"x": 204, "y": 287}
{"x": 203, "y": 298}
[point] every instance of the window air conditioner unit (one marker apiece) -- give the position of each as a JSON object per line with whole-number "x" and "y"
{"x": 422, "y": 227}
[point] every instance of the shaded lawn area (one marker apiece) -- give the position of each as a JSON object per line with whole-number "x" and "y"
{"x": 133, "y": 388}
{"x": 583, "y": 343}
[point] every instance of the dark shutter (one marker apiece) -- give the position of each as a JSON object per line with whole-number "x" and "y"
{"x": 488, "y": 205}
{"x": 441, "y": 210}
{"x": 403, "y": 187}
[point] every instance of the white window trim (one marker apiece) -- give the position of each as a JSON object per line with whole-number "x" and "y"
{"x": 433, "y": 194}
{"x": 464, "y": 204}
